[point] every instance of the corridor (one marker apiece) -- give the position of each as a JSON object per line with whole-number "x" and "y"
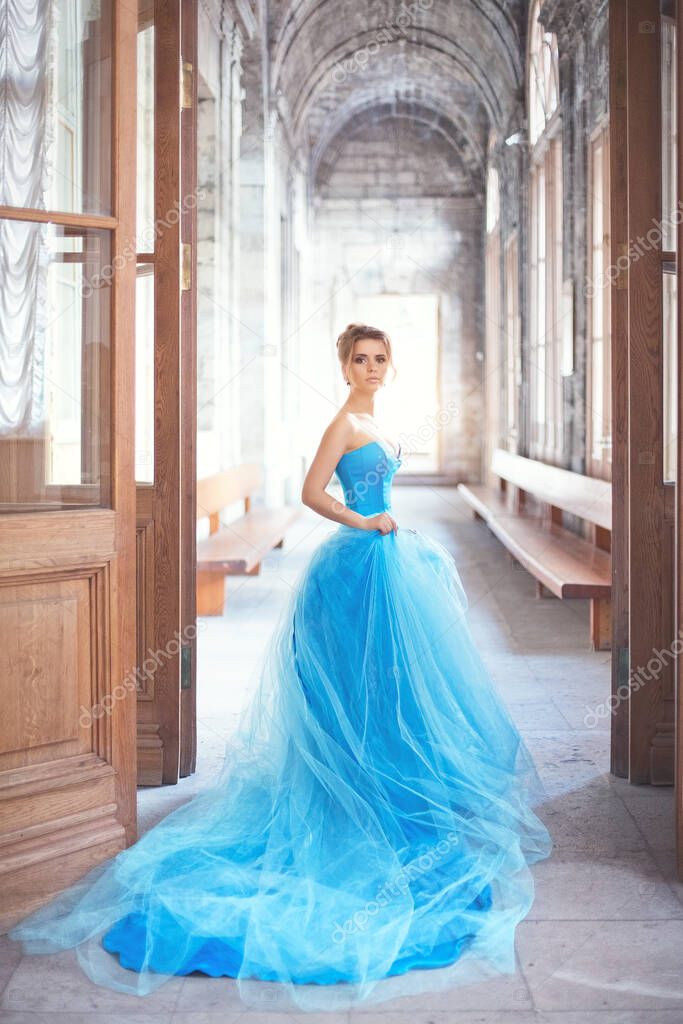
{"x": 196, "y": 198}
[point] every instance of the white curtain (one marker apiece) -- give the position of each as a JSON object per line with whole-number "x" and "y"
{"x": 25, "y": 76}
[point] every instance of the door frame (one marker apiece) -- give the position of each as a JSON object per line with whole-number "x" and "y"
{"x": 166, "y": 519}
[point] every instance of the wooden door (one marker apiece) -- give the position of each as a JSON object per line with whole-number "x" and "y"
{"x": 643, "y": 497}
{"x": 67, "y": 486}
{"x": 166, "y": 345}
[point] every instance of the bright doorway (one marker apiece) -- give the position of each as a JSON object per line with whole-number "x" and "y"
{"x": 410, "y": 405}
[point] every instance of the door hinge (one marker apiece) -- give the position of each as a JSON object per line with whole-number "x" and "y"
{"x": 186, "y": 85}
{"x": 623, "y": 667}
{"x": 186, "y": 267}
{"x": 186, "y": 667}
{"x": 622, "y": 276}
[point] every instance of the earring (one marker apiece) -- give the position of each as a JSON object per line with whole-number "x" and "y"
{"x": 349, "y": 383}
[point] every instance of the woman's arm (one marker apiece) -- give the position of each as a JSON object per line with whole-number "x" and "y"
{"x": 330, "y": 450}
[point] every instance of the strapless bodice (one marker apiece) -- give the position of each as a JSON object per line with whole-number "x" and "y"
{"x": 365, "y": 474}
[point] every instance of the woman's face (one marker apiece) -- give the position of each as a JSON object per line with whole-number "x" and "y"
{"x": 369, "y": 364}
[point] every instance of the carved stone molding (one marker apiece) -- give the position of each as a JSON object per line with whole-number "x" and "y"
{"x": 231, "y": 18}
{"x": 243, "y": 13}
{"x": 235, "y": 42}
{"x": 569, "y": 20}
{"x": 212, "y": 10}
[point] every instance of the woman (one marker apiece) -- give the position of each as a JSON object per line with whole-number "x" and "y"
{"x": 372, "y": 825}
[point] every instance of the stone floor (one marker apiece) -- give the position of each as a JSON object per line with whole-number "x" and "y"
{"x": 603, "y": 943}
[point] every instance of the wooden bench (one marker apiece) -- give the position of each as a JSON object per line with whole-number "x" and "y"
{"x": 525, "y": 513}
{"x": 235, "y": 548}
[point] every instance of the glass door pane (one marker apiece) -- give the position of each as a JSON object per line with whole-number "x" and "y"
{"x": 54, "y": 359}
{"x": 145, "y": 128}
{"x": 146, "y": 243}
{"x": 56, "y": 71}
{"x": 144, "y": 374}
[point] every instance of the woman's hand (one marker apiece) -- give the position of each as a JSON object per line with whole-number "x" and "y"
{"x": 382, "y": 522}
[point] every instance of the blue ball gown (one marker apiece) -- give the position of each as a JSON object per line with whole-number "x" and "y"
{"x": 371, "y": 830}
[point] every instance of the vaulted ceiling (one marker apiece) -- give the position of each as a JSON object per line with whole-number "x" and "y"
{"x": 453, "y": 65}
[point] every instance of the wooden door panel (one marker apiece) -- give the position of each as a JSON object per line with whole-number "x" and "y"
{"x": 67, "y": 581}
{"x": 47, "y": 624}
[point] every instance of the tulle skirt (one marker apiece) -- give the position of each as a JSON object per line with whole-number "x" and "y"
{"x": 371, "y": 830}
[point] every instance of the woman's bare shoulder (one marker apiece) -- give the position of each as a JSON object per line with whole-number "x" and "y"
{"x": 340, "y": 427}
{"x": 337, "y": 436}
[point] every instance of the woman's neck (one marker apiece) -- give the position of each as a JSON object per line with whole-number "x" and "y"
{"x": 361, "y": 407}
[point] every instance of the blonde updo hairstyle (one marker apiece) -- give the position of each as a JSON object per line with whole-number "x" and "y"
{"x": 358, "y": 332}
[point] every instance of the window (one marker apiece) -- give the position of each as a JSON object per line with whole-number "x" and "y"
{"x": 598, "y": 384}
{"x": 545, "y": 248}
{"x": 492, "y": 200}
{"x": 513, "y": 364}
{"x": 545, "y": 265}
{"x": 494, "y": 354}
{"x": 544, "y": 79}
